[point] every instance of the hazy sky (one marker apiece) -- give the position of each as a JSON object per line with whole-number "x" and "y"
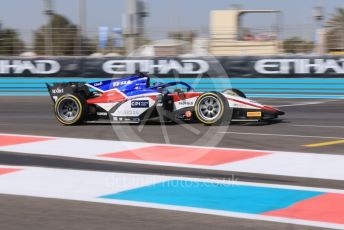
{"x": 26, "y": 15}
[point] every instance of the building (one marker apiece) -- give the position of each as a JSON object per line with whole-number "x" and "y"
{"x": 227, "y": 37}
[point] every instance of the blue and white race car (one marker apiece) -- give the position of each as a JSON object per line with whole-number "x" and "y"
{"x": 133, "y": 100}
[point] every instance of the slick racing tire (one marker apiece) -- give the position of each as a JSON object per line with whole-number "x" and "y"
{"x": 210, "y": 109}
{"x": 234, "y": 91}
{"x": 70, "y": 109}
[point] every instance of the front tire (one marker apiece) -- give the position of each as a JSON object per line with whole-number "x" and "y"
{"x": 70, "y": 109}
{"x": 210, "y": 109}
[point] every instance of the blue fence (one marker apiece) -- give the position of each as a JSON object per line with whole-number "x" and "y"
{"x": 253, "y": 87}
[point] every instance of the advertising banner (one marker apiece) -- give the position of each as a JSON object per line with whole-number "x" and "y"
{"x": 243, "y": 67}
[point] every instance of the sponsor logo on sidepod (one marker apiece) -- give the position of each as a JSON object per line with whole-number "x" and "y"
{"x": 140, "y": 104}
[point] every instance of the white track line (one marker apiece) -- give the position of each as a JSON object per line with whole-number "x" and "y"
{"x": 283, "y": 135}
{"x": 320, "y": 126}
{"x": 305, "y": 103}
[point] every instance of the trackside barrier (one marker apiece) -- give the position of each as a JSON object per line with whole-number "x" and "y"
{"x": 253, "y": 87}
{"x": 266, "y": 76}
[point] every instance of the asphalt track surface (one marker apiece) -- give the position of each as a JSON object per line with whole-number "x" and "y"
{"x": 307, "y": 121}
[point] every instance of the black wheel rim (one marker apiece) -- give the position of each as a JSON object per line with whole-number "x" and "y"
{"x": 68, "y": 109}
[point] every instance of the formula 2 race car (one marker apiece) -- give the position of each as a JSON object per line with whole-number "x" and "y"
{"x": 133, "y": 100}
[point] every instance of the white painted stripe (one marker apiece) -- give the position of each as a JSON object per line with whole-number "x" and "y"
{"x": 88, "y": 186}
{"x": 299, "y": 165}
{"x": 71, "y": 147}
{"x": 70, "y": 184}
{"x": 122, "y": 181}
{"x": 292, "y": 164}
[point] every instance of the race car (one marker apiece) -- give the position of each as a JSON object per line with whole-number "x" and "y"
{"x": 134, "y": 99}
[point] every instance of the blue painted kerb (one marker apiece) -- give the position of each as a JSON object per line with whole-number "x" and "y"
{"x": 230, "y": 197}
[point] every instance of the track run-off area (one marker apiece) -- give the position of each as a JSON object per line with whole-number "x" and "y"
{"x": 284, "y": 175}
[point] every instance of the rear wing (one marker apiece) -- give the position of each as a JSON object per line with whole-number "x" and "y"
{"x": 57, "y": 90}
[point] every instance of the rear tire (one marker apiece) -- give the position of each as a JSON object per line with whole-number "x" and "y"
{"x": 70, "y": 109}
{"x": 211, "y": 109}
